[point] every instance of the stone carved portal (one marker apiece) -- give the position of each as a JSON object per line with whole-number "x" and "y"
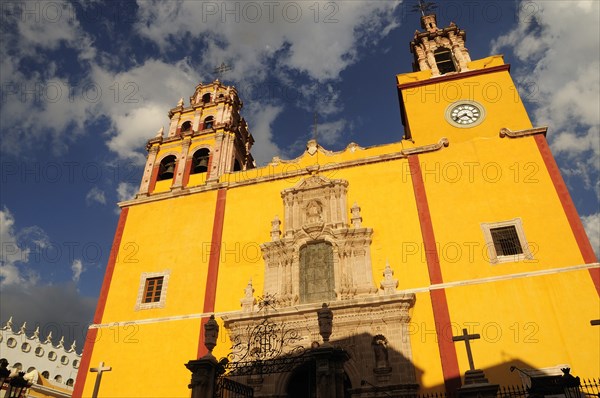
{"x": 320, "y": 257}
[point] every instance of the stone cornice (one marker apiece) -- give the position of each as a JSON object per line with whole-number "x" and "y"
{"x": 504, "y": 132}
{"x": 405, "y": 300}
{"x": 312, "y": 169}
{"x": 455, "y": 76}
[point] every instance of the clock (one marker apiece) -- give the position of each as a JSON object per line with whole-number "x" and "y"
{"x": 465, "y": 113}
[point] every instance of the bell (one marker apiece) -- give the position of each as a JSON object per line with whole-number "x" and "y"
{"x": 168, "y": 172}
{"x": 201, "y": 166}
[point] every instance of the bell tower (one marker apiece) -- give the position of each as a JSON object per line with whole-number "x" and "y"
{"x": 440, "y": 50}
{"x": 204, "y": 140}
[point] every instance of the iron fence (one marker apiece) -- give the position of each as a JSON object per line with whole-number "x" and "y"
{"x": 589, "y": 388}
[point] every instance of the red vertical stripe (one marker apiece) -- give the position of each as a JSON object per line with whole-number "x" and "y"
{"x": 213, "y": 266}
{"x": 153, "y": 178}
{"x": 587, "y": 252}
{"x": 90, "y": 339}
{"x": 210, "y": 160}
{"x": 186, "y": 172}
{"x": 441, "y": 313}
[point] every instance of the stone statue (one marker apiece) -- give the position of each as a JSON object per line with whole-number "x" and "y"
{"x": 325, "y": 322}
{"x": 380, "y": 348}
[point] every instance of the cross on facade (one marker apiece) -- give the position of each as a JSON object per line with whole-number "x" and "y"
{"x": 466, "y": 337}
{"x": 100, "y": 369}
{"x": 220, "y": 70}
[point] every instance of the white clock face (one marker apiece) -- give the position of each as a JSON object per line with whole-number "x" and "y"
{"x": 465, "y": 114}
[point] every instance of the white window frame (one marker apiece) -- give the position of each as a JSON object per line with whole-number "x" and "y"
{"x": 140, "y": 305}
{"x": 489, "y": 242}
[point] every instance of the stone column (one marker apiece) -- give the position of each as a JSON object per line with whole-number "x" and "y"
{"x": 206, "y": 369}
{"x": 204, "y": 377}
{"x": 181, "y": 164}
{"x": 146, "y": 178}
{"x": 330, "y": 371}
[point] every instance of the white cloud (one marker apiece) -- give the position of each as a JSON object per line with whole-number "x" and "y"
{"x": 14, "y": 251}
{"x": 565, "y": 74}
{"x": 126, "y": 191}
{"x": 95, "y": 195}
{"x": 261, "y": 118}
{"x": 77, "y": 268}
{"x": 329, "y": 133}
{"x": 147, "y": 92}
{"x": 317, "y": 38}
{"x": 591, "y": 224}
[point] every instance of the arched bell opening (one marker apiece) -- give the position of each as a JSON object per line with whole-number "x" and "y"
{"x": 200, "y": 161}
{"x": 237, "y": 166}
{"x": 186, "y": 126}
{"x": 166, "y": 169}
{"x": 206, "y": 98}
{"x": 444, "y": 60}
{"x": 208, "y": 122}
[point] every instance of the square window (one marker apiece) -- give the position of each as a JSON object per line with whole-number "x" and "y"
{"x": 506, "y": 241}
{"x": 152, "y": 291}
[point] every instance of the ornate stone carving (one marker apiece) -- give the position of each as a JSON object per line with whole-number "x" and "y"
{"x": 248, "y": 301}
{"x": 275, "y": 229}
{"x": 315, "y": 210}
{"x": 388, "y": 284}
{"x": 426, "y": 43}
{"x": 356, "y": 218}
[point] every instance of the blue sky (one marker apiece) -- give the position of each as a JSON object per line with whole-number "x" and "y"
{"x": 85, "y": 84}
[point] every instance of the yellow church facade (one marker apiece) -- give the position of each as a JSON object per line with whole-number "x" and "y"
{"x": 466, "y": 223}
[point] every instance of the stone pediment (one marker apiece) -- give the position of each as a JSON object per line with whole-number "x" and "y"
{"x": 316, "y": 214}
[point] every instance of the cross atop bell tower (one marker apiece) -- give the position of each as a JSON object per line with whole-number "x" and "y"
{"x": 204, "y": 140}
{"x": 440, "y": 50}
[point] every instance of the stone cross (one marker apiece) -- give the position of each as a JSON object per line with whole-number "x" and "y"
{"x": 101, "y": 368}
{"x": 466, "y": 338}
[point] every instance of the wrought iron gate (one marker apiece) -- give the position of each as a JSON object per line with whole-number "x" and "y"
{"x": 227, "y": 388}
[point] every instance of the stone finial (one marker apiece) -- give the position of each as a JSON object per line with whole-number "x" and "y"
{"x": 388, "y": 284}
{"x": 36, "y": 334}
{"x": 248, "y": 301}
{"x": 159, "y": 133}
{"x": 312, "y": 147}
{"x": 180, "y": 103}
{"x": 325, "y": 317}
{"x": 61, "y": 343}
{"x": 73, "y": 346}
{"x": 23, "y": 328}
{"x": 275, "y": 229}
{"x": 211, "y": 333}
{"x": 8, "y": 325}
{"x": 356, "y": 218}
{"x": 49, "y": 338}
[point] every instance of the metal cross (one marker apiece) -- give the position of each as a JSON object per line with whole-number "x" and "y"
{"x": 466, "y": 337}
{"x": 101, "y": 368}
{"x": 220, "y": 70}
{"x": 424, "y": 6}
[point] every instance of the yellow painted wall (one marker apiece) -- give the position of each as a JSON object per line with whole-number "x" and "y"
{"x": 542, "y": 320}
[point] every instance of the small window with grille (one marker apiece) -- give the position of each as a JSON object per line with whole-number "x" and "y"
{"x": 152, "y": 291}
{"x": 506, "y": 241}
